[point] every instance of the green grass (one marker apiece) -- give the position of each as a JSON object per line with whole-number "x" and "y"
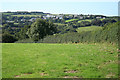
{"x": 85, "y": 20}
{"x": 16, "y": 23}
{"x": 7, "y": 13}
{"x": 40, "y": 60}
{"x": 26, "y": 15}
{"x": 88, "y": 28}
{"x": 1, "y": 26}
{"x": 60, "y": 24}
{"x": 71, "y": 20}
{"x": 102, "y": 19}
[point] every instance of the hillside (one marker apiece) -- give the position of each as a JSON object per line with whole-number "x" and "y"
{"x": 44, "y": 45}
{"x": 89, "y": 28}
{"x": 17, "y": 24}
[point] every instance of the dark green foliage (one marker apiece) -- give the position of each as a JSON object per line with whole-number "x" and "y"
{"x": 96, "y": 22}
{"x": 25, "y": 41}
{"x": 22, "y": 25}
{"x": 99, "y": 22}
{"x": 7, "y": 38}
{"x": 22, "y": 34}
{"x": 107, "y": 34}
{"x": 40, "y": 29}
{"x": 85, "y": 23}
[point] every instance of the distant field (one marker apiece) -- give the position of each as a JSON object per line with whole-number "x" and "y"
{"x": 102, "y": 19}
{"x": 7, "y": 13}
{"x": 26, "y": 15}
{"x": 89, "y": 28}
{"x": 40, "y": 60}
{"x": 0, "y": 25}
{"x": 85, "y": 20}
{"x": 71, "y": 20}
{"x": 16, "y": 23}
{"x": 59, "y": 24}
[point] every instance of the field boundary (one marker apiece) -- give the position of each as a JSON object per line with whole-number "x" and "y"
{"x": 60, "y": 79}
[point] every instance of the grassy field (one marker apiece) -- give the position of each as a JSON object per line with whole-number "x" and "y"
{"x": 85, "y": 20}
{"x": 16, "y": 23}
{"x": 0, "y": 25}
{"x": 88, "y": 28}
{"x": 32, "y": 60}
{"x": 7, "y": 13}
{"x": 26, "y": 15}
{"x": 71, "y": 20}
{"x": 60, "y": 24}
{"x": 102, "y": 19}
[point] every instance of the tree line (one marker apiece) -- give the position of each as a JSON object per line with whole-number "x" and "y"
{"x": 46, "y": 31}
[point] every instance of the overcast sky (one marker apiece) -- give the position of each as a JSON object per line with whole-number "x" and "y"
{"x": 103, "y": 7}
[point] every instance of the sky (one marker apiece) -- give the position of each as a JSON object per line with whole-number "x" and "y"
{"x": 102, "y": 7}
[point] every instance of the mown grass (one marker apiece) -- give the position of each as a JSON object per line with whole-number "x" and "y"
{"x": 33, "y": 60}
{"x": 88, "y": 28}
{"x": 26, "y": 15}
{"x": 71, "y": 20}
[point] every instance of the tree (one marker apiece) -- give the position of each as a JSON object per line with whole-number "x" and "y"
{"x": 40, "y": 28}
{"x": 22, "y": 33}
{"x": 96, "y": 22}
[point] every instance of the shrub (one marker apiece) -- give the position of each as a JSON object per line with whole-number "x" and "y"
{"x": 107, "y": 34}
{"x": 25, "y": 41}
{"x": 7, "y": 38}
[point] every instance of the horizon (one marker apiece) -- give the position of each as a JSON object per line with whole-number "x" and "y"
{"x": 94, "y": 8}
{"x": 63, "y": 13}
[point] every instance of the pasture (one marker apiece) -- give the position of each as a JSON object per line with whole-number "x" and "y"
{"x": 42, "y": 60}
{"x": 88, "y": 28}
{"x": 0, "y": 25}
{"x": 60, "y": 24}
{"x": 70, "y": 20}
{"x": 27, "y": 15}
{"x": 89, "y": 20}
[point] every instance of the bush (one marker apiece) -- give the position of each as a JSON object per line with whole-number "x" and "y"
{"x": 41, "y": 28}
{"x": 25, "y": 41}
{"x": 107, "y": 34}
{"x": 7, "y": 38}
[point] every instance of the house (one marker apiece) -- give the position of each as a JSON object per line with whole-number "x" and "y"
{"x": 22, "y": 19}
{"x": 60, "y": 17}
{"x": 81, "y": 17}
{"x": 9, "y": 21}
{"x": 103, "y": 17}
{"x": 32, "y": 19}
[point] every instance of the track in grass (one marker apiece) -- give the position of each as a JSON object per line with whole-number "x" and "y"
{"x": 36, "y": 60}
